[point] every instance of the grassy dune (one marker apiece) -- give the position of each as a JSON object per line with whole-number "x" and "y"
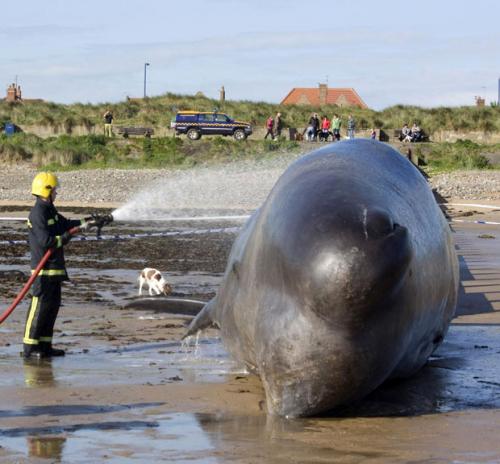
{"x": 158, "y": 111}
{"x": 67, "y": 151}
{"x": 96, "y": 151}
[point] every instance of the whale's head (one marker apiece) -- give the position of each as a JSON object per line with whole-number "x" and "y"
{"x": 334, "y": 272}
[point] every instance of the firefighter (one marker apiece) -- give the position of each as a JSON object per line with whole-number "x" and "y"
{"x": 47, "y": 229}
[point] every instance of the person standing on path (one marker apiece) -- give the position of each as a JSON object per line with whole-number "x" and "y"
{"x": 351, "y": 127}
{"x": 316, "y": 126}
{"x": 108, "y": 123}
{"x": 325, "y": 129}
{"x": 336, "y": 123}
{"x": 269, "y": 127}
{"x": 309, "y": 132}
{"x": 278, "y": 123}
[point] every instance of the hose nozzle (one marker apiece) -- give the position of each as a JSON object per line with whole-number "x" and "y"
{"x": 98, "y": 221}
{"x": 107, "y": 219}
{"x": 101, "y": 221}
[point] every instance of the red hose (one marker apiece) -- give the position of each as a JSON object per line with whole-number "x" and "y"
{"x": 28, "y": 284}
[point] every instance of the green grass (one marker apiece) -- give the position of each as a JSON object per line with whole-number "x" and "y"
{"x": 463, "y": 154}
{"x": 157, "y": 112}
{"x": 95, "y": 151}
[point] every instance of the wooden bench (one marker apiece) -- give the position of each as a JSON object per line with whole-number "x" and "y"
{"x": 126, "y": 131}
{"x": 424, "y": 137}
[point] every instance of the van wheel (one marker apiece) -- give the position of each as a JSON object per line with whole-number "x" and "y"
{"x": 193, "y": 134}
{"x": 239, "y": 134}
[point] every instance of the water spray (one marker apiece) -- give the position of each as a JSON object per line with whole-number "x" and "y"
{"x": 117, "y": 217}
{"x": 128, "y": 212}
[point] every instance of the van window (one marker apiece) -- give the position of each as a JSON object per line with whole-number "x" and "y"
{"x": 221, "y": 118}
{"x": 186, "y": 117}
{"x": 205, "y": 117}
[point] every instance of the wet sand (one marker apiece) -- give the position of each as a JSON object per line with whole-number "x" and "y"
{"x": 129, "y": 391}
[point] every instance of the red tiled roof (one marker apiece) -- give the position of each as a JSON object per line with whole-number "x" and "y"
{"x": 335, "y": 96}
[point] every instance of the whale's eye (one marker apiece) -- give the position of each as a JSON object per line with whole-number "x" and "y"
{"x": 378, "y": 223}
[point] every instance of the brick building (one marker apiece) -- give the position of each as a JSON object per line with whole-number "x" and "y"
{"x": 323, "y": 95}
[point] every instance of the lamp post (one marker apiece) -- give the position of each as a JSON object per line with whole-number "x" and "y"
{"x": 145, "y": 67}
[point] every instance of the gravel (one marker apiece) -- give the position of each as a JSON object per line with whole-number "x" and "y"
{"x": 240, "y": 185}
{"x": 468, "y": 185}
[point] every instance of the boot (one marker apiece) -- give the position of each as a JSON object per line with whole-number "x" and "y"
{"x": 32, "y": 352}
{"x": 49, "y": 352}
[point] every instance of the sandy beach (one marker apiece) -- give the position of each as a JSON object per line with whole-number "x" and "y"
{"x": 130, "y": 391}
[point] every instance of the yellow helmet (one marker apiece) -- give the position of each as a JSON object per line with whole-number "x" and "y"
{"x": 43, "y": 184}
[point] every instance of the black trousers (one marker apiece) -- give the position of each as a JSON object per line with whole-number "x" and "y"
{"x": 269, "y": 132}
{"x": 42, "y": 313}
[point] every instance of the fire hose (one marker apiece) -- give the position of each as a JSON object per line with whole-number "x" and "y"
{"x": 34, "y": 275}
{"x": 99, "y": 222}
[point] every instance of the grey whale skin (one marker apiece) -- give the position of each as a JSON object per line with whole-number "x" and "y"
{"x": 346, "y": 276}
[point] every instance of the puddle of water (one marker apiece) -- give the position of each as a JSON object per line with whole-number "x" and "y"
{"x": 214, "y": 438}
{"x": 174, "y": 438}
{"x": 157, "y": 362}
{"x": 124, "y": 283}
{"x": 181, "y": 437}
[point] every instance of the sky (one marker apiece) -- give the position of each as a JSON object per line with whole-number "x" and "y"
{"x": 427, "y": 53}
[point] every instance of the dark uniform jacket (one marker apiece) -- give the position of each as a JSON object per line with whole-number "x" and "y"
{"x": 46, "y": 227}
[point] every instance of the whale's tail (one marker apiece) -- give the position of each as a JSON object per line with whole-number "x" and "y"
{"x": 203, "y": 320}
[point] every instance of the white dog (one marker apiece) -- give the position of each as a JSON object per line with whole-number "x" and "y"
{"x": 155, "y": 282}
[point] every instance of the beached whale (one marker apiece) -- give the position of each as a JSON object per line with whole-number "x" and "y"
{"x": 346, "y": 276}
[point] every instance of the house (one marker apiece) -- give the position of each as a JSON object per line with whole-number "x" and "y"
{"x": 324, "y": 95}
{"x": 13, "y": 93}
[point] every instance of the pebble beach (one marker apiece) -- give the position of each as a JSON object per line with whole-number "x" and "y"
{"x": 240, "y": 185}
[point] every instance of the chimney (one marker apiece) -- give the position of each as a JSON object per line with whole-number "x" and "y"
{"x": 222, "y": 95}
{"x": 11, "y": 93}
{"x": 323, "y": 94}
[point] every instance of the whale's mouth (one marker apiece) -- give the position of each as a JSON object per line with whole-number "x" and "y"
{"x": 311, "y": 389}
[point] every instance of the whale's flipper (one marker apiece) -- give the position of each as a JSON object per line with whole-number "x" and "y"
{"x": 203, "y": 320}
